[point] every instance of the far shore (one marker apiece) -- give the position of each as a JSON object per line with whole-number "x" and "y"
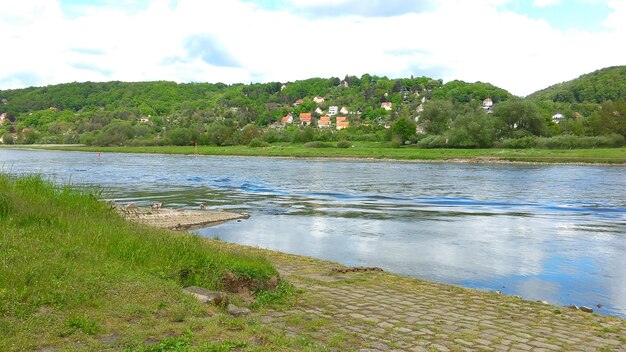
{"x": 370, "y": 151}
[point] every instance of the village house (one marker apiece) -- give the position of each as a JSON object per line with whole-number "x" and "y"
{"x": 323, "y": 122}
{"x": 145, "y": 119}
{"x": 318, "y": 100}
{"x": 558, "y": 117}
{"x": 319, "y": 111}
{"x": 342, "y": 122}
{"x": 488, "y": 105}
{"x": 3, "y": 116}
{"x": 298, "y": 102}
{"x": 386, "y": 105}
{"x": 332, "y": 110}
{"x": 283, "y": 87}
{"x": 287, "y": 119}
{"x": 344, "y": 110}
{"x": 305, "y": 118}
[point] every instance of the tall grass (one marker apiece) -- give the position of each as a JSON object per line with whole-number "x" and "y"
{"x": 64, "y": 250}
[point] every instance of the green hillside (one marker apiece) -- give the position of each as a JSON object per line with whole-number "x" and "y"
{"x": 596, "y": 87}
{"x": 398, "y": 112}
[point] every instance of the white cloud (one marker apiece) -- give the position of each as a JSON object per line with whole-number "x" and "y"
{"x": 546, "y": 3}
{"x": 237, "y": 41}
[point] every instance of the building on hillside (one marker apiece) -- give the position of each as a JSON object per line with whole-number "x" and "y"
{"x": 283, "y": 87}
{"x": 342, "y": 124}
{"x": 287, "y": 119}
{"x": 318, "y": 100}
{"x": 305, "y": 118}
{"x": 144, "y": 119}
{"x": 298, "y": 102}
{"x": 488, "y": 105}
{"x": 323, "y": 122}
{"x": 558, "y": 117}
{"x": 332, "y": 110}
{"x": 319, "y": 111}
{"x": 386, "y": 105}
{"x": 344, "y": 110}
{"x": 3, "y": 117}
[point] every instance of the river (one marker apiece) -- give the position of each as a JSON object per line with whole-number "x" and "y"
{"x": 544, "y": 232}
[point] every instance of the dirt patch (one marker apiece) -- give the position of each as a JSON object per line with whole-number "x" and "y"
{"x": 243, "y": 285}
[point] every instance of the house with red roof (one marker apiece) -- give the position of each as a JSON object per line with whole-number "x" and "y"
{"x": 305, "y": 118}
{"x": 323, "y": 122}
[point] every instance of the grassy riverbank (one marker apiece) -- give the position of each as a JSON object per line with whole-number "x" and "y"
{"x": 75, "y": 276}
{"x": 380, "y": 151}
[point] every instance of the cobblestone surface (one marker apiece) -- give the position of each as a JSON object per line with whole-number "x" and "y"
{"x": 373, "y": 311}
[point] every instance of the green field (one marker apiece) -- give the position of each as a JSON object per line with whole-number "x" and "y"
{"x": 75, "y": 276}
{"x": 379, "y": 151}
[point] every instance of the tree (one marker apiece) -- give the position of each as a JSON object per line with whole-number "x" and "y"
{"x": 437, "y": 116}
{"x": 476, "y": 129}
{"x": 403, "y": 128}
{"x": 520, "y": 117}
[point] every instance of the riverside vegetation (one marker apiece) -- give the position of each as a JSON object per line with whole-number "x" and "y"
{"x": 589, "y": 112}
{"x": 75, "y": 275}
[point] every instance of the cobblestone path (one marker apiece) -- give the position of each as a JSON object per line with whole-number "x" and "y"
{"x": 373, "y": 311}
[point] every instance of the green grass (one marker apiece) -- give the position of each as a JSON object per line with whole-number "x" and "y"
{"x": 382, "y": 151}
{"x": 74, "y": 274}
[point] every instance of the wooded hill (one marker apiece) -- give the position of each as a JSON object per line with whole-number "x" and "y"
{"x": 412, "y": 110}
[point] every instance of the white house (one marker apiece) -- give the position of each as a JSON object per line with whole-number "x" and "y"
{"x": 332, "y": 110}
{"x": 558, "y": 117}
{"x": 318, "y": 100}
{"x": 344, "y": 110}
{"x": 319, "y": 110}
{"x": 144, "y": 119}
{"x": 488, "y": 105}
{"x": 287, "y": 119}
{"x": 386, "y": 105}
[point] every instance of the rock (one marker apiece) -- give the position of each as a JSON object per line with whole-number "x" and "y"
{"x": 585, "y": 309}
{"x": 599, "y": 305}
{"x": 206, "y": 296}
{"x": 236, "y": 311}
{"x": 498, "y": 292}
{"x": 544, "y": 302}
{"x": 572, "y": 306}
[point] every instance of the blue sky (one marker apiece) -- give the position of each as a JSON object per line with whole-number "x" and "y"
{"x": 522, "y": 45}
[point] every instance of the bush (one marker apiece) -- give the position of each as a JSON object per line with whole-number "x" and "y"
{"x": 317, "y": 144}
{"x": 565, "y": 141}
{"x": 434, "y": 141}
{"x": 519, "y": 143}
{"x": 344, "y": 144}
{"x": 258, "y": 143}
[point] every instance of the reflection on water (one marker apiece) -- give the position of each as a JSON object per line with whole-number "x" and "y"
{"x": 554, "y": 233}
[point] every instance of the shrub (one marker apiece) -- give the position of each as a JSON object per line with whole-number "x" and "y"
{"x": 434, "y": 141}
{"x": 317, "y": 144}
{"x": 258, "y": 143}
{"x": 344, "y": 144}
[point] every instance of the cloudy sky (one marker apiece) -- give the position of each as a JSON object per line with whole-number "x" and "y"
{"x": 521, "y": 46}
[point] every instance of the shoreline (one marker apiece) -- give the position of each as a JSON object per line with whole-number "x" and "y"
{"x": 187, "y": 219}
{"x": 478, "y": 160}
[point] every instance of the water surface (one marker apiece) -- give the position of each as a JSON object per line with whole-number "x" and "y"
{"x": 550, "y": 232}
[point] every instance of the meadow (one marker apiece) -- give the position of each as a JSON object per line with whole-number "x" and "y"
{"x": 76, "y": 276}
{"x": 373, "y": 150}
